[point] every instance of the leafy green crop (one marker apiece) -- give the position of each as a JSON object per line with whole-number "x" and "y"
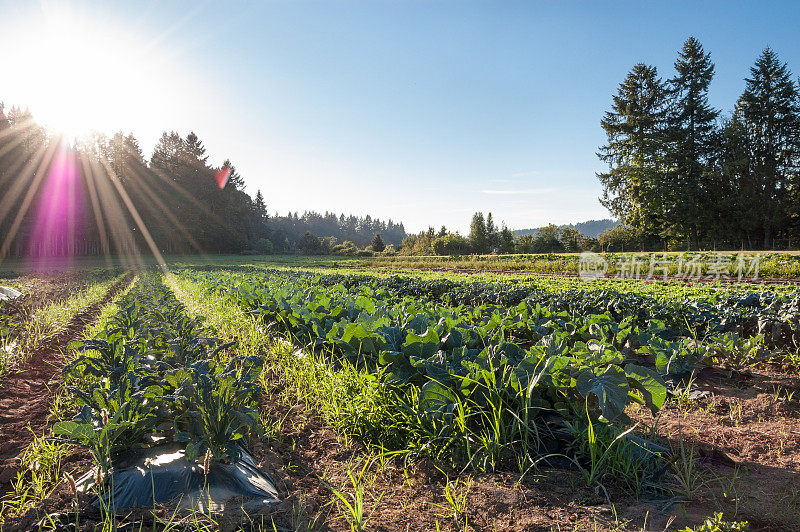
{"x": 155, "y": 375}
{"x": 501, "y": 368}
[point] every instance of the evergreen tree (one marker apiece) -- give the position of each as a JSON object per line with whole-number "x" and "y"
{"x": 635, "y": 188}
{"x": 692, "y": 138}
{"x": 769, "y": 111}
{"x": 734, "y": 213}
{"x": 260, "y": 206}
{"x": 259, "y": 218}
{"x": 378, "y": 244}
{"x": 492, "y": 235}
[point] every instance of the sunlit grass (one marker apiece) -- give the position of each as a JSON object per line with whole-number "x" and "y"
{"x": 225, "y": 317}
{"x": 48, "y": 321}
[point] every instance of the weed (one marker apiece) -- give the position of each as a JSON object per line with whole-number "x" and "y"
{"x": 686, "y": 475}
{"x": 718, "y": 524}
{"x": 456, "y": 495}
{"x": 354, "y": 503}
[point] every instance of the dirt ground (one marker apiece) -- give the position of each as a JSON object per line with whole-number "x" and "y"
{"x": 748, "y": 435}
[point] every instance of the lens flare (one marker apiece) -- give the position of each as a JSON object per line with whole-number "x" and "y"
{"x": 59, "y": 213}
{"x": 222, "y": 177}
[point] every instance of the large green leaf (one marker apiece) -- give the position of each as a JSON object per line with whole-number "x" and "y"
{"x": 610, "y": 389}
{"x": 649, "y": 384}
{"x": 423, "y": 345}
{"x": 437, "y": 400}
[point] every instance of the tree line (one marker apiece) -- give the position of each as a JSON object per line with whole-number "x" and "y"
{"x": 680, "y": 175}
{"x": 485, "y": 236}
{"x": 101, "y": 196}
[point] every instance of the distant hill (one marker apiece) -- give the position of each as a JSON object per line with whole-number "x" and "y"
{"x": 592, "y": 228}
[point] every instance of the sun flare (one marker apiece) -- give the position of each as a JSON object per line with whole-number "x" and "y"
{"x": 78, "y": 75}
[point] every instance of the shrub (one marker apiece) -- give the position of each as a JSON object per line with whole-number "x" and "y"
{"x": 620, "y": 238}
{"x": 451, "y": 244}
{"x": 263, "y": 246}
{"x": 310, "y": 243}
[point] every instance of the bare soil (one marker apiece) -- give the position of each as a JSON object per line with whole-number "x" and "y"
{"x": 746, "y": 437}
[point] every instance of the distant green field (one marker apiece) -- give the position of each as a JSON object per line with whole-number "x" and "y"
{"x": 723, "y": 265}
{"x": 706, "y": 264}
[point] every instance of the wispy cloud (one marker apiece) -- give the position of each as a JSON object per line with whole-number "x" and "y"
{"x": 517, "y": 192}
{"x": 529, "y": 173}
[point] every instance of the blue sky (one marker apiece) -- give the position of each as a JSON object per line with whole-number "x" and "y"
{"x": 417, "y": 111}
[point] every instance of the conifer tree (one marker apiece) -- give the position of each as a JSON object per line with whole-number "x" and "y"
{"x": 769, "y": 110}
{"x": 492, "y": 235}
{"x": 378, "y": 243}
{"x": 635, "y": 186}
{"x": 692, "y": 139}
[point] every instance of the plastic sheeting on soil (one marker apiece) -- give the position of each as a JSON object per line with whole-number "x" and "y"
{"x": 8, "y": 294}
{"x": 162, "y": 475}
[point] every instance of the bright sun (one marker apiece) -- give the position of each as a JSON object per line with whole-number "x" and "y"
{"x": 78, "y": 75}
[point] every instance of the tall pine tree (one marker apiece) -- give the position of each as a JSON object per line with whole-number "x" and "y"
{"x": 692, "y": 139}
{"x": 769, "y": 110}
{"x": 492, "y": 234}
{"x": 635, "y": 188}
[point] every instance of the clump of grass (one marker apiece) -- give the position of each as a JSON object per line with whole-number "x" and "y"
{"x": 456, "y": 495}
{"x": 716, "y": 523}
{"x": 687, "y": 478}
{"x": 353, "y": 503}
{"x": 40, "y": 472}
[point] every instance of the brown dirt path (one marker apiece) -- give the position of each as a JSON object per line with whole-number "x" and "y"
{"x": 25, "y": 396}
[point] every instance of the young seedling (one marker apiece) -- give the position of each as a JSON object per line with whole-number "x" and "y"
{"x": 354, "y": 504}
{"x": 456, "y": 495}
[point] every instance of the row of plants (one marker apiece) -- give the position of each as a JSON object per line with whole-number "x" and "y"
{"x": 155, "y": 375}
{"x": 517, "y": 371}
{"x": 664, "y": 290}
{"x": 486, "y": 384}
{"x": 774, "y": 316}
{"x": 26, "y": 322}
{"x": 770, "y": 264}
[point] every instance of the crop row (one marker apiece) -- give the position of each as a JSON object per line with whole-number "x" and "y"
{"x": 157, "y": 375}
{"x": 29, "y": 320}
{"x": 775, "y": 316}
{"x": 770, "y": 264}
{"x": 493, "y": 378}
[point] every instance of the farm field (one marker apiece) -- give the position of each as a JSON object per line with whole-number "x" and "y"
{"x": 404, "y": 400}
{"x": 297, "y": 266}
{"x": 706, "y": 265}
